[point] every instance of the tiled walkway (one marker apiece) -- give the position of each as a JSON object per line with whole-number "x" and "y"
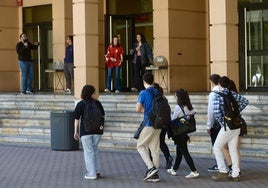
{"x": 41, "y": 167}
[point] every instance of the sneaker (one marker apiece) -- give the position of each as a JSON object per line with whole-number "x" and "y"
{"x": 220, "y": 177}
{"x": 192, "y": 175}
{"x": 23, "y": 93}
{"x": 90, "y": 177}
{"x": 153, "y": 178}
{"x": 30, "y": 92}
{"x": 237, "y": 178}
{"x": 213, "y": 169}
{"x": 169, "y": 163}
{"x": 107, "y": 91}
{"x": 67, "y": 91}
{"x": 98, "y": 174}
{"x": 172, "y": 172}
{"x": 134, "y": 89}
{"x": 117, "y": 91}
{"x": 150, "y": 173}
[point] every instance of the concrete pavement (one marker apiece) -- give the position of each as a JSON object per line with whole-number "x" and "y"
{"x": 41, "y": 167}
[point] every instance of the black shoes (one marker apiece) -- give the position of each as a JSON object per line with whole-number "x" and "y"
{"x": 149, "y": 173}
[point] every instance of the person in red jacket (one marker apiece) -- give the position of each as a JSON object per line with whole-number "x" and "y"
{"x": 114, "y": 59}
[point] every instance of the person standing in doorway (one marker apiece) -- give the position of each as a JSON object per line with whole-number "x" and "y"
{"x": 114, "y": 59}
{"x": 69, "y": 63}
{"x": 142, "y": 56}
{"x": 24, "y": 48}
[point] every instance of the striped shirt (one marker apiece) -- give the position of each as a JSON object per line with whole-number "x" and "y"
{"x": 218, "y": 105}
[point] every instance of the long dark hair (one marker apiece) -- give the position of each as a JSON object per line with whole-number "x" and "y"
{"x": 183, "y": 99}
{"x": 143, "y": 39}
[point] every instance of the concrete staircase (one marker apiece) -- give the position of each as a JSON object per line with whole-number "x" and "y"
{"x": 25, "y": 119}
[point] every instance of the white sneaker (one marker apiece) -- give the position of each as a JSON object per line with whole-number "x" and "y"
{"x": 90, "y": 177}
{"x": 172, "y": 172}
{"x": 67, "y": 90}
{"x": 193, "y": 175}
{"x": 117, "y": 91}
{"x": 134, "y": 89}
{"x": 107, "y": 91}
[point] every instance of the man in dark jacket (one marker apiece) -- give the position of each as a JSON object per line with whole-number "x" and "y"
{"x": 24, "y": 48}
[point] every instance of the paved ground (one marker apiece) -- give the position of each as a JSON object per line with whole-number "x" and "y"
{"x": 41, "y": 167}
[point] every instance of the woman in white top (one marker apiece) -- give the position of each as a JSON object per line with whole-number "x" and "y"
{"x": 183, "y": 104}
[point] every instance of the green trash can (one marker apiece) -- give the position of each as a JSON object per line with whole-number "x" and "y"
{"x": 62, "y": 131}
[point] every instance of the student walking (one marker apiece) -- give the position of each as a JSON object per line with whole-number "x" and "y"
{"x": 213, "y": 127}
{"x": 90, "y": 139}
{"x": 226, "y": 135}
{"x": 183, "y": 106}
{"x": 149, "y": 137}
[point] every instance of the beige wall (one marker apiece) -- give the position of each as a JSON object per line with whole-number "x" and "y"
{"x": 9, "y": 31}
{"x": 181, "y": 35}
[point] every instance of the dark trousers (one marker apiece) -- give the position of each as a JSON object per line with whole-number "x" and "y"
{"x": 182, "y": 150}
{"x": 163, "y": 145}
{"x": 139, "y": 70}
{"x": 69, "y": 74}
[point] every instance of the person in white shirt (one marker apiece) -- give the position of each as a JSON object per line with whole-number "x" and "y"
{"x": 213, "y": 127}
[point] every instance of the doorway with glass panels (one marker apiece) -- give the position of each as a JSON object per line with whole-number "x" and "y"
{"x": 125, "y": 19}
{"x": 37, "y": 24}
{"x": 253, "y": 48}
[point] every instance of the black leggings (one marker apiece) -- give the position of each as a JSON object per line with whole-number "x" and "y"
{"x": 139, "y": 70}
{"x": 182, "y": 149}
{"x": 163, "y": 145}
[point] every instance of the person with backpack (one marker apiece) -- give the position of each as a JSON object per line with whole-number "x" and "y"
{"x": 183, "y": 107}
{"x": 149, "y": 136}
{"x": 163, "y": 146}
{"x": 213, "y": 127}
{"x": 227, "y": 116}
{"x": 91, "y": 113}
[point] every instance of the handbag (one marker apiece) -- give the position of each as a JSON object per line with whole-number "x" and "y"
{"x": 184, "y": 124}
{"x": 138, "y": 131}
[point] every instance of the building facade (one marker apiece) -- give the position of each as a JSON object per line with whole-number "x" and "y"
{"x": 197, "y": 37}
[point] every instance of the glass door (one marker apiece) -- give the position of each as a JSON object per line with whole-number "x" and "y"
{"x": 123, "y": 27}
{"x": 43, "y": 57}
{"x": 254, "y": 47}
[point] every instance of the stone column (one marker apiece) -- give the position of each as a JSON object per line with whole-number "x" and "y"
{"x": 86, "y": 44}
{"x": 181, "y": 35}
{"x": 224, "y": 38}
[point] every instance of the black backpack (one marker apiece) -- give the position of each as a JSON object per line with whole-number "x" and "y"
{"x": 160, "y": 114}
{"x": 93, "y": 119}
{"x": 232, "y": 117}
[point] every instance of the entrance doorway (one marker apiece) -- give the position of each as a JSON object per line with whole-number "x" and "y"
{"x": 37, "y": 24}
{"x": 125, "y": 19}
{"x": 253, "y": 36}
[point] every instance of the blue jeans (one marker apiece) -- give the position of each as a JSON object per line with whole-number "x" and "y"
{"x": 91, "y": 154}
{"x": 117, "y": 77}
{"x": 26, "y": 68}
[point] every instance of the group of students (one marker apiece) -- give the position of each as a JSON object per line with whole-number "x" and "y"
{"x": 150, "y": 139}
